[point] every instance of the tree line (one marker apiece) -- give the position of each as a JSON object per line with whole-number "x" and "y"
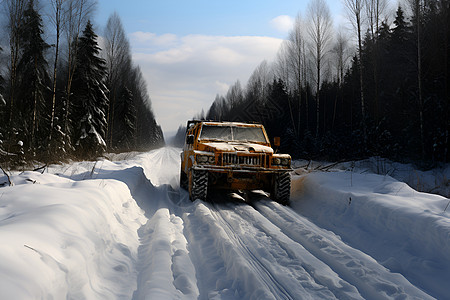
{"x": 386, "y": 94}
{"x": 62, "y": 94}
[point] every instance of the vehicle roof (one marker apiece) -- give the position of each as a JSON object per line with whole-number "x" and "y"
{"x": 226, "y": 123}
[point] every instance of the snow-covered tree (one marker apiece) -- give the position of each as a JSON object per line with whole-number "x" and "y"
{"x": 33, "y": 79}
{"x": 76, "y": 14}
{"x": 126, "y": 120}
{"x": 90, "y": 102}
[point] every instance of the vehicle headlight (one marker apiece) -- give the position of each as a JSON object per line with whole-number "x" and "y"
{"x": 285, "y": 161}
{"x": 203, "y": 159}
{"x": 281, "y": 161}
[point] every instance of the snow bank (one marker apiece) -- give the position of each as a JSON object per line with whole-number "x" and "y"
{"x": 124, "y": 230}
{"x": 167, "y": 271}
{"x": 406, "y": 231}
{"x": 63, "y": 239}
{"x": 436, "y": 181}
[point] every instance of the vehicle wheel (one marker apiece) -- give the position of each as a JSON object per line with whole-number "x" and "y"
{"x": 281, "y": 189}
{"x": 198, "y": 185}
{"x": 184, "y": 181}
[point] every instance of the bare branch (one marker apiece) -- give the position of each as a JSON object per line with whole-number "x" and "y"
{"x": 7, "y": 176}
{"x": 319, "y": 31}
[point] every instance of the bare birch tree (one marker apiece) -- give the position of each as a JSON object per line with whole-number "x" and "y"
{"x": 57, "y": 18}
{"x": 296, "y": 60}
{"x": 282, "y": 66}
{"x": 320, "y": 34}
{"x": 355, "y": 10}
{"x": 341, "y": 55}
{"x": 76, "y": 17}
{"x": 235, "y": 95}
{"x": 283, "y": 70}
{"x": 258, "y": 82}
{"x": 375, "y": 10}
{"x": 257, "y": 87}
{"x": 374, "y": 13}
{"x": 118, "y": 62}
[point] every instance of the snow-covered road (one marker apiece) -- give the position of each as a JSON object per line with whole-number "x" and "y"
{"x": 370, "y": 237}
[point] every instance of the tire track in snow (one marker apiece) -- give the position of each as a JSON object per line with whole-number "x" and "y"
{"x": 225, "y": 270}
{"x": 372, "y": 279}
{"x": 317, "y": 278}
{"x": 214, "y": 257}
{"x": 296, "y": 273}
{"x": 258, "y": 266}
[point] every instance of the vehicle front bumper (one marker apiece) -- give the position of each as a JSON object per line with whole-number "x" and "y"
{"x": 239, "y": 177}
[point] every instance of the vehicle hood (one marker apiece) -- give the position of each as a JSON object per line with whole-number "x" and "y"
{"x": 233, "y": 147}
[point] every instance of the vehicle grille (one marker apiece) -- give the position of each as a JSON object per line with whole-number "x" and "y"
{"x": 234, "y": 159}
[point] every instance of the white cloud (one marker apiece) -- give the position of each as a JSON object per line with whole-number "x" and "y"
{"x": 149, "y": 37}
{"x": 185, "y": 76}
{"x": 283, "y": 23}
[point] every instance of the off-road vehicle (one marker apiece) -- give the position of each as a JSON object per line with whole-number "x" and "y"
{"x": 234, "y": 156}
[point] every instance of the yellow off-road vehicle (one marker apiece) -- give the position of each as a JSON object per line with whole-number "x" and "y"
{"x": 234, "y": 156}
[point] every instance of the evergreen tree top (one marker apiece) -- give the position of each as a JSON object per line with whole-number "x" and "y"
{"x": 89, "y": 38}
{"x": 88, "y": 51}
{"x": 31, "y": 33}
{"x": 399, "y": 22}
{"x": 401, "y": 29}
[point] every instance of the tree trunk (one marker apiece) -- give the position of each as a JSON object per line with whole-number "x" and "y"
{"x": 361, "y": 82}
{"x": 52, "y": 116}
{"x": 419, "y": 78}
{"x": 299, "y": 111}
{"x": 317, "y": 94}
{"x": 447, "y": 79}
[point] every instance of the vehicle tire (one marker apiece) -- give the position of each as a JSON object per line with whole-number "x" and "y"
{"x": 184, "y": 181}
{"x": 198, "y": 185}
{"x": 281, "y": 189}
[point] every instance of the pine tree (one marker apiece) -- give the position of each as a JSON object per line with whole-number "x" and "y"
{"x": 148, "y": 133}
{"x": 33, "y": 80}
{"x": 126, "y": 120}
{"x": 399, "y": 32}
{"x": 90, "y": 102}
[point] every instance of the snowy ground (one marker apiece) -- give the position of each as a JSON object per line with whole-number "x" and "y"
{"x": 122, "y": 229}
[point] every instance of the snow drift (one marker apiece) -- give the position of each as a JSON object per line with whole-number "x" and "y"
{"x": 407, "y": 231}
{"x": 122, "y": 229}
{"x": 67, "y": 239}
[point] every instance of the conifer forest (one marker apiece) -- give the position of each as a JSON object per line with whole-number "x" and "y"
{"x": 64, "y": 96}
{"x": 378, "y": 88}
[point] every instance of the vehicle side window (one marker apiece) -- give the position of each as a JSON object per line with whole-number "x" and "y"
{"x": 186, "y": 145}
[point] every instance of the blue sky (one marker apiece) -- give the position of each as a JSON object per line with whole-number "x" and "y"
{"x": 213, "y": 17}
{"x": 191, "y": 50}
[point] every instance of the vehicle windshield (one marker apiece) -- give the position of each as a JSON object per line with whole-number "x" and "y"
{"x": 232, "y": 134}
